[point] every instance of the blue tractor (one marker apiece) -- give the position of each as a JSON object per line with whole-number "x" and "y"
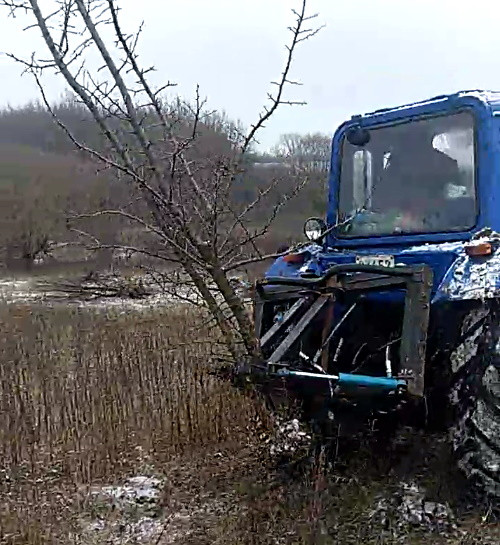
{"x": 394, "y": 299}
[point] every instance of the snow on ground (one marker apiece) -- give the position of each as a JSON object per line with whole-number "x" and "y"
{"x": 32, "y": 291}
{"x": 37, "y": 290}
{"x": 126, "y": 513}
{"x": 408, "y": 507}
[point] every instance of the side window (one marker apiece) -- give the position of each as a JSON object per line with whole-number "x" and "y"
{"x": 362, "y": 178}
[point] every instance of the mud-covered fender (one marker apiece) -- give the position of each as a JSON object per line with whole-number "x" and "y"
{"x": 471, "y": 277}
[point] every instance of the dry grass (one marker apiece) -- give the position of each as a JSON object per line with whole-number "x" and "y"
{"x": 87, "y": 398}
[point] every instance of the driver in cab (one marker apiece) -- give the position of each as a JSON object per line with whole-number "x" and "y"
{"x": 413, "y": 183}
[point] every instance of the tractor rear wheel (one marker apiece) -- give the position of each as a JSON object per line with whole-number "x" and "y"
{"x": 475, "y": 398}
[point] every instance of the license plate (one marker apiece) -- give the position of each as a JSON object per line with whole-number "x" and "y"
{"x": 379, "y": 260}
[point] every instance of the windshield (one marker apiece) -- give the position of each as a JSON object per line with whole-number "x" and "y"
{"x": 414, "y": 177}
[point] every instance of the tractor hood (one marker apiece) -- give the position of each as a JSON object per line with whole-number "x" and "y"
{"x": 456, "y": 275}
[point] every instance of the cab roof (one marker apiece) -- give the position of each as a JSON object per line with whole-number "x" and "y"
{"x": 490, "y": 99}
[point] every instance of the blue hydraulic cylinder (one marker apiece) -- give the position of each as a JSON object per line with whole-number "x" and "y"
{"x": 348, "y": 381}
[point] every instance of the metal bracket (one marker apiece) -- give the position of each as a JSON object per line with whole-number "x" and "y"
{"x": 297, "y": 331}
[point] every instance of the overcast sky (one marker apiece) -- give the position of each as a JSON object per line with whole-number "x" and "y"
{"x": 371, "y": 54}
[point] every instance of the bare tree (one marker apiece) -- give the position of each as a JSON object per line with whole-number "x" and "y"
{"x": 181, "y": 191}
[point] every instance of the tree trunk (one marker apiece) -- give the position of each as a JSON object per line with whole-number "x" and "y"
{"x": 237, "y": 307}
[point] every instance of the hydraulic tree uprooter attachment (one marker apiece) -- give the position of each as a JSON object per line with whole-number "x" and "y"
{"x": 315, "y": 301}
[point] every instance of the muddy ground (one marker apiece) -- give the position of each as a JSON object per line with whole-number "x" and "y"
{"x": 247, "y": 496}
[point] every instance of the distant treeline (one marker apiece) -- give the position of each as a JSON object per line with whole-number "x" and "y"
{"x": 44, "y": 178}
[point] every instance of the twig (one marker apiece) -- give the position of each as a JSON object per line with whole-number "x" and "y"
{"x": 298, "y": 35}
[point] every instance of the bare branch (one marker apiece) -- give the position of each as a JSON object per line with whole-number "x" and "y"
{"x": 153, "y": 96}
{"x": 298, "y": 35}
{"x": 187, "y": 208}
{"x": 240, "y": 217}
{"x": 120, "y": 83}
{"x": 133, "y": 250}
{"x": 250, "y": 260}
{"x": 259, "y": 233}
{"x": 147, "y": 226}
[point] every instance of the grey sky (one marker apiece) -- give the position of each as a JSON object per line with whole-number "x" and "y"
{"x": 371, "y": 54}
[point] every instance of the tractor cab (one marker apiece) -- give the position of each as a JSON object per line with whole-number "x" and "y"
{"x": 409, "y": 178}
{"x": 419, "y": 173}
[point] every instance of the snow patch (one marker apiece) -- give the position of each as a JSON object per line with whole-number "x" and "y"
{"x": 408, "y": 507}
{"x": 429, "y": 247}
{"x": 128, "y": 513}
{"x": 139, "y": 489}
{"x": 474, "y": 279}
{"x": 289, "y": 437}
{"x": 465, "y": 351}
{"x": 145, "y": 530}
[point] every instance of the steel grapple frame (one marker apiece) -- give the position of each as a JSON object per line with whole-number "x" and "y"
{"x": 310, "y": 298}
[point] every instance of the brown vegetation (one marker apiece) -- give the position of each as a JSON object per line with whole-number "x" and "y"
{"x": 88, "y": 399}
{"x": 44, "y": 181}
{"x": 84, "y": 397}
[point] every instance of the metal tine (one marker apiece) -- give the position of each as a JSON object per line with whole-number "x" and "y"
{"x": 332, "y": 333}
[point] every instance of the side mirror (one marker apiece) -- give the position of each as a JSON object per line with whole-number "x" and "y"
{"x": 357, "y": 136}
{"x": 314, "y": 228}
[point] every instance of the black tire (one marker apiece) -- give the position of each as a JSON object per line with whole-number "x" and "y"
{"x": 475, "y": 397}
